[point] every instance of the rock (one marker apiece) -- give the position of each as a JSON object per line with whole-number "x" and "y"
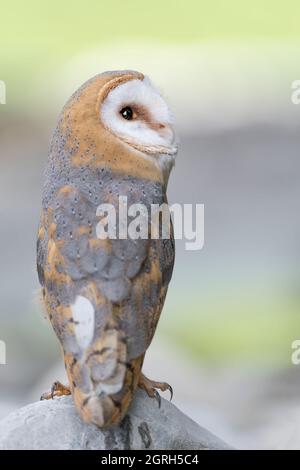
{"x": 55, "y": 424}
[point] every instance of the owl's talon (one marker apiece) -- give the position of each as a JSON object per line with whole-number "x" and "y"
{"x": 57, "y": 390}
{"x": 150, "y": 387}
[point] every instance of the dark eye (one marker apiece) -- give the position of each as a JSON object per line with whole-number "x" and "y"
{"x": 127, "y": 113}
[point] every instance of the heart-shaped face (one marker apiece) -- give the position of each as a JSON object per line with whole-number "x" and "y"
{"x": 135, "y": 112}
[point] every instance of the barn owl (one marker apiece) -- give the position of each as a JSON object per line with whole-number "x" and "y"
{"x": 104, "y": 296}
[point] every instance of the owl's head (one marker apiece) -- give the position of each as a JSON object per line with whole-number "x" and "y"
{"x": 134, "y": 111}
{"x": 117, "y": 120}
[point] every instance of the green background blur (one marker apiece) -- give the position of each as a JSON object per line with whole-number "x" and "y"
{"x": 226, "y": 67}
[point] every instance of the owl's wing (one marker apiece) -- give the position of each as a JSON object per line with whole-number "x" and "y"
{"x": 120, "y": 283}
{"x": 146, "y": 298}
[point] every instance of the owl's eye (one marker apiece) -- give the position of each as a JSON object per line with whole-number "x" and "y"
{"x": 127, "y": 113}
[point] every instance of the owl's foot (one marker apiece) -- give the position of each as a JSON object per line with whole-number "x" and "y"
{"x": 150, "y": 387}
{"x": 57, "y": 390}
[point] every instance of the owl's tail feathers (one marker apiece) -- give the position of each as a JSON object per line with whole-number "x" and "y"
{"x": 103, "y": 381}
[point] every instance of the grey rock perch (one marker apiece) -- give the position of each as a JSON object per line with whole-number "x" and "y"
{"x": 54, "y": 424}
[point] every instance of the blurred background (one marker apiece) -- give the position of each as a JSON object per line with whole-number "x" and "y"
{"x": 232, "y": 311}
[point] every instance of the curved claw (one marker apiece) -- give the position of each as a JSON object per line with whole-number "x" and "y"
{"x": 158, "y": 398}
{"x": 53, "y": 389}
{"x": 171, "y": 392}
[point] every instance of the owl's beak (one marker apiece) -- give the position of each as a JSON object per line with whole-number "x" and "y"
{"x": 171, "y": 149}
{"x": 167, "y": 132}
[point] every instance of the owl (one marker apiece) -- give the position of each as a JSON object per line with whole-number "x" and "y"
{"x": 104, "y": 296}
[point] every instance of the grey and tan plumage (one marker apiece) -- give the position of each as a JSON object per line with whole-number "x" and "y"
{"x": 104, "y": 297}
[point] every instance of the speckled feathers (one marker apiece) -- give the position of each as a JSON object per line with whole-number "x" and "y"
{"x": 103, "y": 297}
